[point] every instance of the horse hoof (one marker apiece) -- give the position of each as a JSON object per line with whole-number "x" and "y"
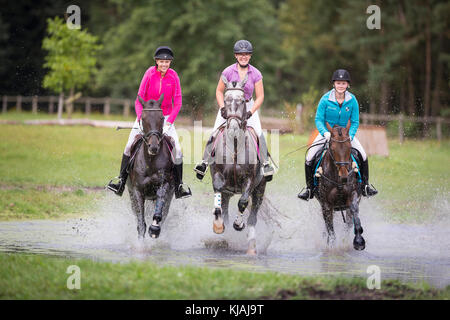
{"x": 218, "y": 226}
{"x": 238, "y": 227}
{"x": 154, "y": 231}
{"x": 359, "y": 243}
{"x": 242, "y": 205}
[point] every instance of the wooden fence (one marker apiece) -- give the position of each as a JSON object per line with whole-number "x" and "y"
{"x": 126, "y": 104}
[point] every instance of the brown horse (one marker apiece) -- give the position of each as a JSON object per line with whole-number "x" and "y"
{"x": 338, "y": 187}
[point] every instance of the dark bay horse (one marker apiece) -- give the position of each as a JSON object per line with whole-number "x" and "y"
{"x": 236, "y": 169}
{"x": 151, "y": 177}
{"x": 338, "y": 188}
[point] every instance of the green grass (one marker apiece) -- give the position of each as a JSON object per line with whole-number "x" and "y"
{"x": 410, "y": 180}
{"x": 40, "y": 277}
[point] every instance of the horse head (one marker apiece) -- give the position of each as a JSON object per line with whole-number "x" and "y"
{"x": 340, "y": 149}
{"x": 151, "y": 124}
{"x": 234, "y": 104}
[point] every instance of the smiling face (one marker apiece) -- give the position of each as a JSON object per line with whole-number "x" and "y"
{"x": 340, "y": 86}
{"x": 163, "y": 65}
{"x": 243, "y": 58}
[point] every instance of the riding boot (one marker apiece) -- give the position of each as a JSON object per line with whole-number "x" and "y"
{"x": 119, "y": 187}
{"x": 308, "y": 192}
{"x": 267, "y": 169}
{"x": 367, "y": 190}
{"x": 180, "y": 192}
{"x": 201, "y": 168}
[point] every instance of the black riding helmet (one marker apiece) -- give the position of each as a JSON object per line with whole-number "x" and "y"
{"x": 163, "y": 53}
{"x": 243, "y": 46}
{"x": 341, "y": 75}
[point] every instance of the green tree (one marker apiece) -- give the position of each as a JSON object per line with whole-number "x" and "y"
{"x": 71, "y": 59}
{"x": 202, "y": 34}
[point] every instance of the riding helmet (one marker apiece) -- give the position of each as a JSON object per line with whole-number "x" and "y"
{"x": 341, "y": 75}
{"x": 163, "y": 53}
{"x": 243, "y": 46}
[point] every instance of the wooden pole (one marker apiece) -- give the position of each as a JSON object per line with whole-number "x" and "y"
{"x": 5, "y": 104}
{"x": 19, "y": 103}
{"x": 51, "y": 105}
{"x": 34, "y": 104}
{"x": 88, "y": 106}
{"x": 126, "y": 108}
{"x": 439, "y": 128}
{"x": 107, "y": 107}
{"x": 401, "y": 129}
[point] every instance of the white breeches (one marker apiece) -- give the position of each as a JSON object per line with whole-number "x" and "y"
{"x": 253, "y": 122}
{"x": 355, "y": 144}
{"x": 171, "y": 133}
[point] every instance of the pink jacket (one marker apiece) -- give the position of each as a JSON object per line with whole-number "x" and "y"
{"x": 153, "y": 85}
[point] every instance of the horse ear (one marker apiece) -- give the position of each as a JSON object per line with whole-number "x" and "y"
{"x": 225, "y": 81}
{"x": 161, "y": 98}
{"x": 244, "y": 81}
{"x": 328, "y": 126}
{"x": 141, "y": 101}
{"x": 347, "y": 128}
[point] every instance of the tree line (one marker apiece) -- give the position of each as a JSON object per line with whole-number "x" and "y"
{"x": 401, "y": 67}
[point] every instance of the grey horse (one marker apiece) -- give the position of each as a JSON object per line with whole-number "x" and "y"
{"x": 338, "y": 187}
{"x": 151, "y": 177}
{"x": 236, "y": 169}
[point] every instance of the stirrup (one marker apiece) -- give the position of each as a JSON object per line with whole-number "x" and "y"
{"x": 199, "y": 172}
{"x": 178, "y": 194}
{"x": 117, "y": 188}
{"x": 366, "y": 188}
{"x": 300, "y": 194}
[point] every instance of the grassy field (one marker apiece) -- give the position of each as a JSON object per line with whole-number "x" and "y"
{"x": 40, "y": 162}
{"x": 39, "y": 277}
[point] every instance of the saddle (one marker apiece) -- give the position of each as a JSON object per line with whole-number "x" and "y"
{"x": 355, "y": 155}
{"x": 252, "y": 132}
{"x": 135, "y": 146}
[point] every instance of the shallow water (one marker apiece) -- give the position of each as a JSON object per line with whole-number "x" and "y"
{"x": 409, "y": 252}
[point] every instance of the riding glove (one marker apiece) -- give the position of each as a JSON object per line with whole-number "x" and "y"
{"x": 223, "y": 112}
{"x": 248, "y": 115}
{"x": 167, "y": 127}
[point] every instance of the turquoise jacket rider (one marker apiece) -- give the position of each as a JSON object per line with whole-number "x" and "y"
{"x": 330, "y": 111}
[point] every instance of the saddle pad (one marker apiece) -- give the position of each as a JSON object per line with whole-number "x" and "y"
{"x": 253, "y": 135}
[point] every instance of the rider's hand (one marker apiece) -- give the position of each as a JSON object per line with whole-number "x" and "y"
{"x": 223, "y": 112}
{"x": 327, "y": 135}
{"x": 167, "y": 127}
{"x": 248, "y": 115}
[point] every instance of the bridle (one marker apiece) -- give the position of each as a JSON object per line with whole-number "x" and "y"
{"x": 240, "y": 119}
{"x": 338, "y": 163}
{"x": 146, "y": 136}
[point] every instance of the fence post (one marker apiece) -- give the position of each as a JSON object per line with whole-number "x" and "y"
{"x": 51, "y": 105}
{"x": 106, "y": 107}
{"x": 19, "y": 103}
{"x": 439, "y": 128}
{"x": 88, "y": 106}
{"x": 126, "y": 108}
{"x": 60, "y": 105}
{"x": 5, "y": 104}
{"x": 34, "y": 104}
{"x": 401, "y": 129}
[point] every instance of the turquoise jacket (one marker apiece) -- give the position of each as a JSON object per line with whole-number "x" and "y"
{"x": 328, "y": 110}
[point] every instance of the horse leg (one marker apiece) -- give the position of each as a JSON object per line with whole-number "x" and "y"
{"x": 257, "y": 199}
{"x": 137, "y": 205}
{"x": 218, "y": 225}
{"x": 238, "y": 223}
{"x": 155, "y": 228}
{"x": 358, "y": 242}
{"x": 328, "y": 217}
